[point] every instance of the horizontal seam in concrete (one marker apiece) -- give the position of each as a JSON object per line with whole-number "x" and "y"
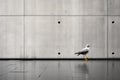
{"x": 59, "y": 15}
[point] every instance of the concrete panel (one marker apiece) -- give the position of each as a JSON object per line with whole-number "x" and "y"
{"x": 66, "y": 7}
{"x": 114, "y": 37}
{"x": 11, "y": 37}
{"x": 114, "y": 7}
{"x": 70, "y": 36}
{"x": 45, "y": 37}
{"x": 11, "y": 7}
{"x": 41, "y": 36}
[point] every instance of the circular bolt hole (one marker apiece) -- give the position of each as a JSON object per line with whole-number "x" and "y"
{"x": 113, "y": 53}
{"x": 113, "y": 22}
{"x": 58, "y": 22}
{"x": 59, "y": 53}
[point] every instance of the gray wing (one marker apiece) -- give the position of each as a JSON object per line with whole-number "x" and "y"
{"x": 83, "y": 51}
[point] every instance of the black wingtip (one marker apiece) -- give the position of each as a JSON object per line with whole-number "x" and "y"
{"x": 75, "y": 53}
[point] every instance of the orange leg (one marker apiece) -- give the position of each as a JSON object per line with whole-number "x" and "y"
{"x": 86, "y": 58}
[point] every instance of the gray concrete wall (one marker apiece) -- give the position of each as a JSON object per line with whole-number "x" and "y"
{"x": 30, "y": 28}
{"x": 11, "y": 36}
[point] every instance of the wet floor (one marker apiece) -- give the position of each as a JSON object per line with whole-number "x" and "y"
{"x": 60, "y": 70}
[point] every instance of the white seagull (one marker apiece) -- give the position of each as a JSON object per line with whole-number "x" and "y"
{"x": 84, "y": 51}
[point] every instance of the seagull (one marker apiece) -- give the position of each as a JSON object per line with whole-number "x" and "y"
{"x": 84, "y": 51}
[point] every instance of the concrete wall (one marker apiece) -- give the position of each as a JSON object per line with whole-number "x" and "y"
{"x": 30, "y": 28}
{"x": 11, "y": 36}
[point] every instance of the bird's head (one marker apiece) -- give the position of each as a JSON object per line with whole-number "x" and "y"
{"x": 88, "y": 45}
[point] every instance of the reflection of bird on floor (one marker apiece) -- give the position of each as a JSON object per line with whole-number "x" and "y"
{"x": 84, "y": 51}
{"x": 83, "y": 68}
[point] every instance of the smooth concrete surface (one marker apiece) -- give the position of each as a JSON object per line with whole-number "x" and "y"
{"x": 11, "y": 37}
{"x": 59, "y": 7}
{"x": 47, "y": 37}
{"x": 114, "y": 37}
{"x": 114, "y": 7}
{"x": 65, "y": 7}
{"x": 59, "y": 70}
{"x": 40, "y": 40}
{"x": 11, "y": 7}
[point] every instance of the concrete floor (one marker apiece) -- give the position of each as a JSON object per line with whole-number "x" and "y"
{"x": 59, "y": 70}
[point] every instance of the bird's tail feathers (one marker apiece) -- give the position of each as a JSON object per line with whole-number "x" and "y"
{"x": 77, "y": 54}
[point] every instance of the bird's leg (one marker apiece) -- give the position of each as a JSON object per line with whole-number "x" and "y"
{"x": 86, "y": 58}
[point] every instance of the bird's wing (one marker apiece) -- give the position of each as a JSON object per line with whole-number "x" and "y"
{"x": 84, "y": 50}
